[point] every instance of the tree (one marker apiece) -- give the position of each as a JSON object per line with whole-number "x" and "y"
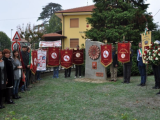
{"x": 32, "y": 35}
{"x": 49, "y": 10}
{"x": 54, "y": 24}
{"x": 5, "y": 42}
{"x": 113, "y": 19}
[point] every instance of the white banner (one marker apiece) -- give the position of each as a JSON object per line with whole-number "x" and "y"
{"x": 50, "y": 43}
{"x": 41, "y": 55}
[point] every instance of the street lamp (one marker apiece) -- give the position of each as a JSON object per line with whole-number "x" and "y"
{"x": 11, "y": 34}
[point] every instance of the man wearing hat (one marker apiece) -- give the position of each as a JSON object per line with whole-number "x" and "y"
{"x": 25, "y": 57}
{"x": 141, "y": 65}
{"x": 78, "y": 68}
{"x": 114, "y": 65}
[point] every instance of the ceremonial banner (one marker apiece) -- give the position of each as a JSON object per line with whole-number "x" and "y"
{"x": 78, "y": 57}
{"x": 33, "y": 65}
{"x": 66, "y": 58}
{"x": 50, "y": 43}
{"x": 53, "y": 57}
{"x": 123, "y": 52}
{"x": 146, "y": 41}
{"x": 41, "y": 56}
{"x": 106, "y": 55}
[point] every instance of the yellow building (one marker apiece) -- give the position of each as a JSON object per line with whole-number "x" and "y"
{"x": 74, "y": 24}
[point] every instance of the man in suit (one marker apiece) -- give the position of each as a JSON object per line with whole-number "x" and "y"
{"x": 114, "y": 65}
{"x": 141, "y": 65}
{"x": 127, "y": 68}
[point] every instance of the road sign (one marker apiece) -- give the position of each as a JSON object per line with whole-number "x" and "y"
{"x": 14, "y": 45}
{"x": 16, "y": 37}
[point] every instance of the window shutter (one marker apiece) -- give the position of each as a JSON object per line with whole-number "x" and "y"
{"x": 74, "y": 23}
{"x": 74, "y": 43}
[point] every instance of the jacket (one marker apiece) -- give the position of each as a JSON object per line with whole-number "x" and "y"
{"x": 9, "y": 71}
{"x": 3, "y": 86}
{"x": 131, "y": 55}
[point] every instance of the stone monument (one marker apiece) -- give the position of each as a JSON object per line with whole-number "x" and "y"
{"x": 93, "y": 67}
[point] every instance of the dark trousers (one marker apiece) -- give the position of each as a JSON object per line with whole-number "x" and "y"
{"x": 1, "y": 96}
{"x": 68, "y": 72}
{"x": 142, "y": 71}
{"x": 127, "y": 73}
{"x": 8, "y": 93}
{"x": 27, "y": 77}
{"x": 156, "y": 72}
{"x": 78, "y": 70}
{"x": 38, "y": 75}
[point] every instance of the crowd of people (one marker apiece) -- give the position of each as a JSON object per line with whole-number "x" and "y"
{"x": 141, "y": 67}
{"x": 12, "y": 80}
{"x": 11, "y": 72}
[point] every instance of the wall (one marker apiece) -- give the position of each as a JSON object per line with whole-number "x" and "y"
{"x": 74, "y": 32}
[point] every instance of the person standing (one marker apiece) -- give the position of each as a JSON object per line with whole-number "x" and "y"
{"x": 156, "y": 72}
{"x": 3, "y": 79}
{"x": 78, "y": 68}
{"x": 10, "y": 76}
{"x": 141, "y": 65}
{"x": 56, "y": 72}
{"x": 17, "y": 73}
{"x": 25, "y": 57}
{"x": 114, "y": 65}
{"x": 127, "y": 68}
{"x": 68, "y": 70}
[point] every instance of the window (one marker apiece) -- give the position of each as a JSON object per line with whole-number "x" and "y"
{"x": 74, "y": 23}
{"x": 74, "y": 43}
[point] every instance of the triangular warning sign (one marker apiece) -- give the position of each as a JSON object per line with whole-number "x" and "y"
{"x": 16, "y": 37}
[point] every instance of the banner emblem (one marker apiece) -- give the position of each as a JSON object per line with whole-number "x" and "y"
{"x": 78, "y": 55}
{"x": 123, "y": 55}
{"x": 105, "y": 54}
{"x": 54, "y": 55}
{"x": 66, "y": 58}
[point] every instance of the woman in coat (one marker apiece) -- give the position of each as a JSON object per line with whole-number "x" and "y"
{"x": 17, "y": 73}
{"x": 3, "y": 79}
{"x": 10, "y": 76}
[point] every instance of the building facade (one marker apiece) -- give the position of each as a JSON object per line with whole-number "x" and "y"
{"x": 74, "y": 24}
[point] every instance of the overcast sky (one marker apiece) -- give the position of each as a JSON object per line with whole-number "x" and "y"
{"x": 18, "y": 12}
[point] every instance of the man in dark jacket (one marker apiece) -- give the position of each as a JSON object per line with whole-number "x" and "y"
{"x": 25, "y": 57}
{"x": 141, "y": 66}
{"x": 114, "y": 65}
{"x": 127, "y": 68}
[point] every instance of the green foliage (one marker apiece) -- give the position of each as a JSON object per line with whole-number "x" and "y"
{"x": 49, "y": 10}
{"x": 156, "y": 35}
{"x": 113, "y": 19}
{"x": 54, "y": 24}
{"x": 5, "y": 42}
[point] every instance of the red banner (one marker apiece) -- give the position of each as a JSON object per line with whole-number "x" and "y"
{"x": 78, "y": 57}
{"x": 53, "y": 57}
{"x": 123, "y": 52}
{"x": 34, "y": 62}
{"x": 66, "y": 58}
{"x": 106, "y": 55}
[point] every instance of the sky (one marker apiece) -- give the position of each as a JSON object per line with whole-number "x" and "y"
{"x": 19, "y": 12}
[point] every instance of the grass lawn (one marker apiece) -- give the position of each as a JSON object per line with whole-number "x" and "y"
{"x": 65, "y": 99}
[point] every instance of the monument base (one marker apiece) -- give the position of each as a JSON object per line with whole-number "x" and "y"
{"x": 93, "y": 68}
